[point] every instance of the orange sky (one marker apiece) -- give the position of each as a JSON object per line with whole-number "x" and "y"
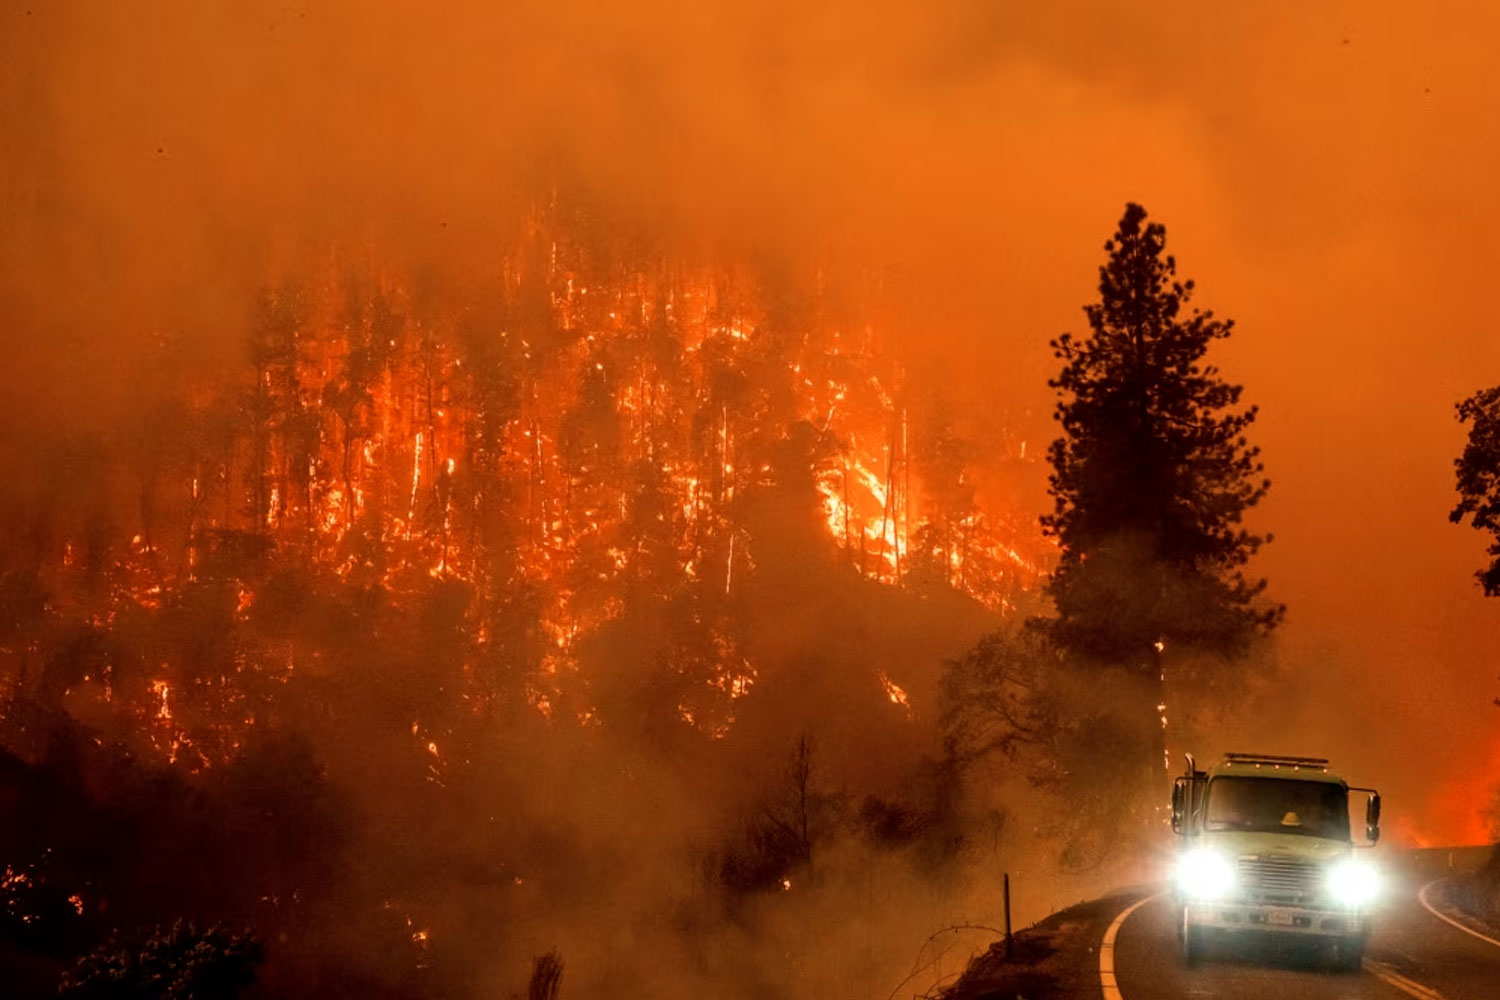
{"x": 1326, "y": 174}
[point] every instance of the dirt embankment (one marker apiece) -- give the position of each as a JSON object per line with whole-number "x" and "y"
{"x": 1477, "y": 893}
{"x": 1056, "y": 959}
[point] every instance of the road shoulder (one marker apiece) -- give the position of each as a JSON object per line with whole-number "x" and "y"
{"x": 1438, "y": 899}
{"x": 1056, "y": 958}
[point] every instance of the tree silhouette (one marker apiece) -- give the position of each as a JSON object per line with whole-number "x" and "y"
{"x": 1478, "y": 474}
{"x": 1153, "y": 473}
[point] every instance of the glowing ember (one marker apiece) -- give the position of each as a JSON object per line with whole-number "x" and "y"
{"x": 162, "y": 690}
{"x": 894, "y": 692}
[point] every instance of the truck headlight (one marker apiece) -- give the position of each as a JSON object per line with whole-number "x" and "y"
{"x": 1205, "y": 874}
{"x": 1354, "y": 883}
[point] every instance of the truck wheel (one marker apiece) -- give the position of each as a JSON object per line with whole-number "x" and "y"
{"x": 1350, "y": 954}
{"x": 1192, "y": 943}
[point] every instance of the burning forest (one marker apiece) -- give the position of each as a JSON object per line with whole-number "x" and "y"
{"x": 594, "y": 437}
{"x": 606, "y": 500}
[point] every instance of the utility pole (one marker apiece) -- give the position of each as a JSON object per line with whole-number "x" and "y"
{"x": 1006, "y": 892}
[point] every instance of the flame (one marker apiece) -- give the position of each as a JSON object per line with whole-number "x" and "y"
{"x": 399, "y": 455}
{"x": 1464, "y": 809}
{"x": 163, "y": 691}
{"x": 894, "y": 692}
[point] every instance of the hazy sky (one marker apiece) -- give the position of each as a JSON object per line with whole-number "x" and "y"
{"x": 1326, "y": 173}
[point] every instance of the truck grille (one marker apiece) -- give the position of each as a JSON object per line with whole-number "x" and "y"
{"x": 1284, "y": 879}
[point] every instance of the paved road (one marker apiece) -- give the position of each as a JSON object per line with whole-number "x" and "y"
{"x": 1413, "y": 953}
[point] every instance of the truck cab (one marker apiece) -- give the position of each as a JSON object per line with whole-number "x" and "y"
{"x": 1264, "y": 846}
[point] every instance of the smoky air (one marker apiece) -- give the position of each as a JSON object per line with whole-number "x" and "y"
{"x": 603, "y": 500}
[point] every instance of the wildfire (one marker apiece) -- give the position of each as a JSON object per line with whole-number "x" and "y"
{"x": 162, "y": 691}
{"x": 894, "y": 691}
{"x": 609, "y": 436}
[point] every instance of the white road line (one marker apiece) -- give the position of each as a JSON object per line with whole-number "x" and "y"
{"x": 1107, "y": 950}
{"x": 1447, "y": 919}
{"x": 1410, "y": 987}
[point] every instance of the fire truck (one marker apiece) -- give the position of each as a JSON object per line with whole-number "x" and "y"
{"x": 1264, "y": 846}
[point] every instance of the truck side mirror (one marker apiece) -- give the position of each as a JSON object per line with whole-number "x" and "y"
{"x": 1179, "y": 804}
{"x": 1372, "y": 818}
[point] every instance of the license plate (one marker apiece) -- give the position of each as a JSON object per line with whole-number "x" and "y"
{"x": 1280, "y": 917}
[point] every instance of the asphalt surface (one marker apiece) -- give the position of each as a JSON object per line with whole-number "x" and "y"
{"x": 1412, "y": 953}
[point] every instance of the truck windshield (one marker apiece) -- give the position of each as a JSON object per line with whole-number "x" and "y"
{"x": 1277, "y": 805}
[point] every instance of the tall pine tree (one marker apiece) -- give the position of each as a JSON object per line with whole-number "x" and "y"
{"x": 1153, "y": 473}
{"x": 1478, "y": 474}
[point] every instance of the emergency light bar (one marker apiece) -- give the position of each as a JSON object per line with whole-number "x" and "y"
{"x": 1275, "y": 760}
